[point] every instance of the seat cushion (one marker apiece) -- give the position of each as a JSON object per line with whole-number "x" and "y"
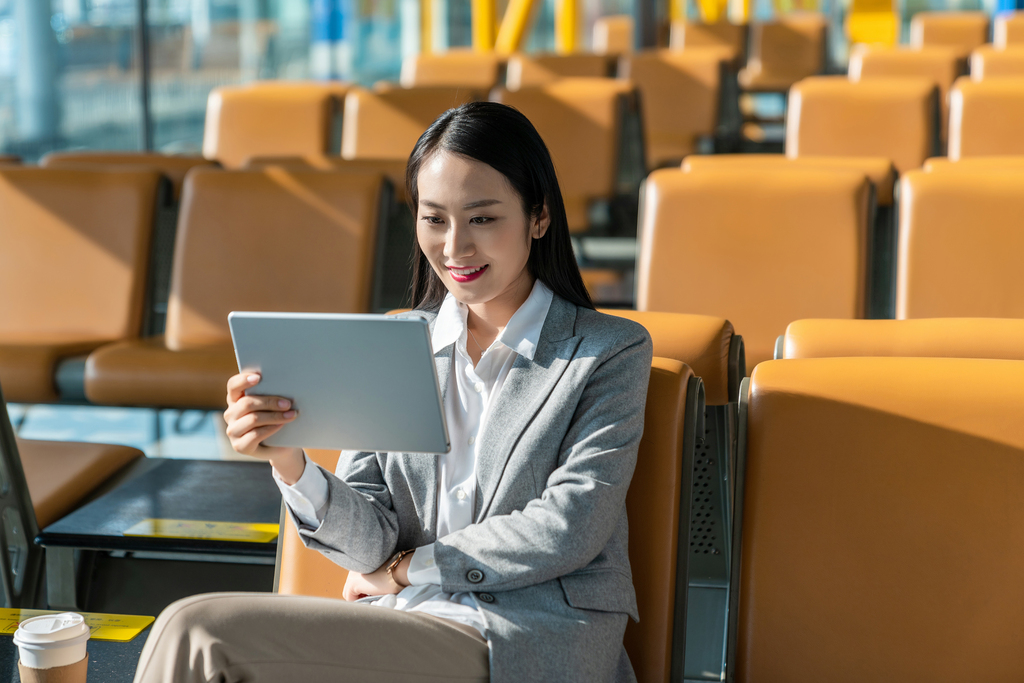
{"x": 27, "y": 368}
{"x": 145, "y": 373}
{"x": 61, "y": 474}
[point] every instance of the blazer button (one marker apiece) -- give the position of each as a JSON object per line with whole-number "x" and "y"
{"x": 485, "y": 597}
{"x": 474, "y": 576}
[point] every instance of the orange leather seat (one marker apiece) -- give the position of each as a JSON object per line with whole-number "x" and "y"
{"x": 172, "y": 166}
{"x": 962, "y": 31}
{"x": 1008, "y": 29}
{"x": 653, "y": 505}
{"x": 231, "y": 256}
{"x": 271, "y": 118}
{"x": 941, "y": 64}
{"x": 893, "y": 118}
{"x": 973, "y": 164}
{"x": 731, "y": 38}
{"x": 456, "y": 68}
{"x": 1001, "y": 339}
{"x": 392, "y": 169}
{"x": 784, "y": 51}
{"x": 613, "y": 35}
{"x": 681, "y": 97}
{"x": 582, "y": 122}
{"x": 10, "y": 159}
{"x": 984, "y": 118}
{"x": 538, "y": 69}
{"x": 960, "y": 245}
{"x": 879, "y": 170}
{"x": 879, "y": 504}
{"x": 73, "y": 268}
{"x": 991, "y": 62}
{"x": 707, "y": 344}
{"x": 387, "y": 122}
{"x": 61, "y": 474}
{"x": 753, "y": 249}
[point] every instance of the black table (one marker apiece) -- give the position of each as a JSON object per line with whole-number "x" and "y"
{"x": 108, "y": 662}
{"x": 221, "y": 491}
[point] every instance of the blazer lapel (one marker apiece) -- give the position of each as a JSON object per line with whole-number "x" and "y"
{"x": 527, "y": 387}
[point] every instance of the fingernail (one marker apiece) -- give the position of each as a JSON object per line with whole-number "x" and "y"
{"x": 283, "y": 403}
{"x": 290, "y": 414}
{"x": 253, "y": 378}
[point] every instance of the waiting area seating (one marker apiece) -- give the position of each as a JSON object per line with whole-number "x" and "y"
{"x": 984, "y": 117}
{"x": 972, "y": 164}
{"x": 990, "y": 62}
{"x": 893, "y": 118}
{"x": 272, "y": 117}
{"x": 962, "y": 31}
{"x": 877, "y": 502}
{"x": 960, "y": 242}
{"x": 710, "y": 239}
{"x": 784, "y": 51}
{"x": 613, "y": 35}
{"x": 74, "y": 268}
{"x": 994, "y": 338}
{"x": 1008, "y": 29}
{"x": 455, "y": 68}
{"x": 326, "y": 264}
{"x": 525, "y": 71}
{"x": 726, "y": 36}
{"x": 172, "y": 166}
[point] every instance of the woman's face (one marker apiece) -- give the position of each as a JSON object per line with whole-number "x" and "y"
{"x": 471, "y": 226}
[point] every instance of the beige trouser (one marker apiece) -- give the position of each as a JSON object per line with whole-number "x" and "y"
{"x": 234, "y": 637}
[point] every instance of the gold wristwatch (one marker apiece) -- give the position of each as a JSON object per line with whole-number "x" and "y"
{"x": 395, "y": 560}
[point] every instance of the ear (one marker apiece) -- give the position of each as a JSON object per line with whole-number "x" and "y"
{"x": 540, "y": 224}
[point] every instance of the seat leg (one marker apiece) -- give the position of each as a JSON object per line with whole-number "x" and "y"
{"x": 60, "y": 578}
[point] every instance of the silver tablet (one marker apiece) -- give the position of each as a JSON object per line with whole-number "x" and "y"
{"x": 359, "y": 382}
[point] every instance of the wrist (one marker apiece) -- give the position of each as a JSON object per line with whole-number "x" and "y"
{"x": 401, "y": 572}
{"x": 289, "y": 465}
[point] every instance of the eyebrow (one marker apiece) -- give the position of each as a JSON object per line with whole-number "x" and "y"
{"x": 471, "y": 205}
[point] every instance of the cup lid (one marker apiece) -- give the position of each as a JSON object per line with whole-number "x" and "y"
{"x": 51, "y": 629}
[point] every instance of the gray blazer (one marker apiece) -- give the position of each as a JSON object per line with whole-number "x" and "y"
{"x": 546, "y": 559}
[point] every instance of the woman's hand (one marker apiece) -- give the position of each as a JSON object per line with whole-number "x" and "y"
{"x": 378, "y": 583}
{"x": 253, "y": 419}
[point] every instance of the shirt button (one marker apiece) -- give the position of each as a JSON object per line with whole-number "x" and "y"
{"x": 474, "y": 576}
{"x": 479, "y": 387}
{"x": 485, "y": 597}
{"x": 461, "y": 494}
{"x": 472, "y": 440}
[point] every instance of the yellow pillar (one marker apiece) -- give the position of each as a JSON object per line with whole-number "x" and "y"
{"x": 677, "y": 10}
{"x": 484, "y": 12}
{"x": 873, "y": 22}
{"x": 712, "y": 11}
{"x": 426, "y": 26}
{"x": 566, "y": 22}
{"x": 513, "y": 26}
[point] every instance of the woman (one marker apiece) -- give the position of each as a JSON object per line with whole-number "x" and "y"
{"x": 505, "y": 559}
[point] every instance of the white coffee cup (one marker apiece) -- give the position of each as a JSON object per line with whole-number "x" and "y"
{"x": 52, "y": 640}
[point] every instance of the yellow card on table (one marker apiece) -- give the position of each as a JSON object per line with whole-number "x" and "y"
{"x": 119, "y": 628}
{"x": 207, "y": 531}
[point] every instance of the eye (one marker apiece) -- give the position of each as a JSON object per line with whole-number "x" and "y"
{"x": 481, "y": 220}
{"x": 433, "y": 220}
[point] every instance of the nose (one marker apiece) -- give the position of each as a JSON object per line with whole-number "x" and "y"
{"x": 458, "y": 242}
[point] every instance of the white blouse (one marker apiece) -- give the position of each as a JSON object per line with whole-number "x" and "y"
{"x": 470, "y": 396}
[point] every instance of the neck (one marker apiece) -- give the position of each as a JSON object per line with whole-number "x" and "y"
{"x": 492, "y": 316}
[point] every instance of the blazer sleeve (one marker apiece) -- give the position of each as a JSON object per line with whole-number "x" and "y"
{"x": 585, "y": 496}
{"x": 359, "y": 530}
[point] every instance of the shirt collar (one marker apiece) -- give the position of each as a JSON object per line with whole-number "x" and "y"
{"x": 521, "y": 334}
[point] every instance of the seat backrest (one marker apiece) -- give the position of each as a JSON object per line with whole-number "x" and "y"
{"x": 973, "y": 164}
{"x": 456, "y": 68}
{"x": 538, "y": 69}
{"x": 613, "y": 35}
{"x": 941, "y": 64}
{"x": 893, "y": 118}
{"x": 582, "y": 123}
{"x": 879, "y": 502}
{"x": 392, "y": 169}
{"x": 960, "y": 245}
{"x": 685, "y": 35}
{"x": 707, "y": 344}
{"x": 271, "y": 240}
{"x": 75, "y": 251}
{"x": 1008, "y": 29}
{"x": 681, "y": 94}
{"x": 753, "y": 248}
{"x": 174, "y": 167}
{"x": 996, "y": 338}
{"x": 963, "y": 31}
{"x": 991, "y": 62}
{"x": 984, "y": 118}
{"x": 387, "y": 122}
{"x": 879, "y": 170}
{"x": 788, "y": 49}
{"x": 657, "y": 512}
{"x": 271, "y": 117}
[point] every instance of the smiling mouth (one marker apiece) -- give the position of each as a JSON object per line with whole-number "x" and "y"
{"x": 466, "y": 274}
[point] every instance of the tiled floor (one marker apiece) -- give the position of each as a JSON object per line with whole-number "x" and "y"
{"x": 164, "y": 433}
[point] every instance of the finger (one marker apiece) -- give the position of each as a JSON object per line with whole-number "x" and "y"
{"x": 238, "y": 384}
{"x": 251, "y": 404}
{"x": 238, "y": 427}
{"x": 249, "y": 443}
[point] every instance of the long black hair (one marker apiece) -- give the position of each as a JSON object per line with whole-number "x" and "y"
{"x": 505, "y": 140}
